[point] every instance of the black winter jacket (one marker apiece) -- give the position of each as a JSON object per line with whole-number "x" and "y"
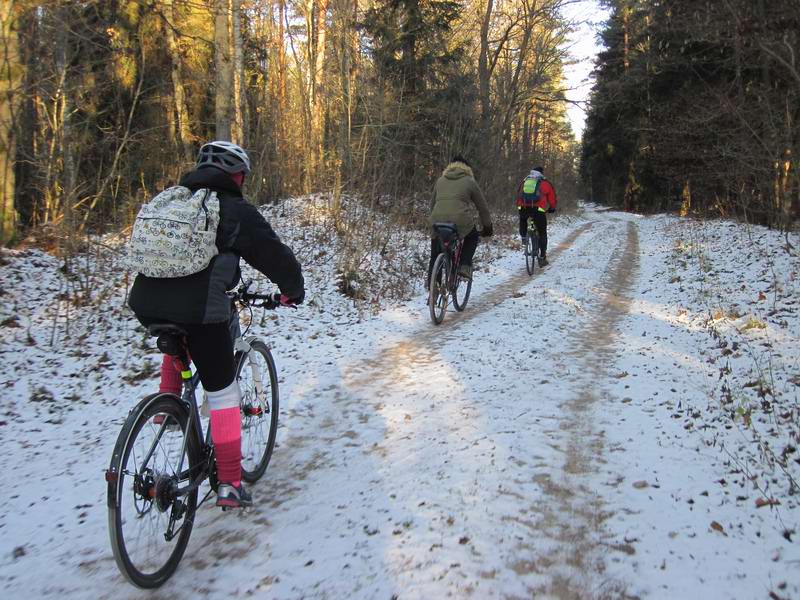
{"x": 242, "y": 233}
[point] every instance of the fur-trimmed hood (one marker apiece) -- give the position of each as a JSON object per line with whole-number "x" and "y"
{"x": 457, "y": 170}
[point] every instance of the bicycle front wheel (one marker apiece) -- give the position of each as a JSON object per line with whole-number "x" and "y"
{"x": 437, "y": 295}
{"x": 258, "y": 382}
{"x": 149, "y": 520}
{"x": 531, "y": 244}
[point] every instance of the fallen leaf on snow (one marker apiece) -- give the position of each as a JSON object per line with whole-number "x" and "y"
{"x": 761, "y": 502}
{"x": 717, "y": 527}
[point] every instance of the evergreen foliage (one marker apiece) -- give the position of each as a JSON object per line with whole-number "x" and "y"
{"x": 696, "y": 105}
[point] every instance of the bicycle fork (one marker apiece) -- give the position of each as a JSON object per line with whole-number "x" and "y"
{"x": 260, "y": 406}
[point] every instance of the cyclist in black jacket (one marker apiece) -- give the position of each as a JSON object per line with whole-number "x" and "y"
{"x": 198, "y": 302}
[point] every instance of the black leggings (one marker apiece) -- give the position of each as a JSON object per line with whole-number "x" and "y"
{"x": 211, "y": 349}
{"x": 540, "y": 220}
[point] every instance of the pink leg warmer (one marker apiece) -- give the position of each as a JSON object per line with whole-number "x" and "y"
{"x": 226, "y": 433}
{"x": 170, "y": 378}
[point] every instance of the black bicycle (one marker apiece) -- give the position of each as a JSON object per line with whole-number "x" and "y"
{"x": 162, "y": 456}
{"x": 531, "y": 247}
{"x": 446, "y": 281}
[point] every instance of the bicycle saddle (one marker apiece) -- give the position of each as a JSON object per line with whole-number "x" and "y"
{"x": 168, "y": 328}
{"x": 446, "y": 231}
{"x": 170, "y": 338}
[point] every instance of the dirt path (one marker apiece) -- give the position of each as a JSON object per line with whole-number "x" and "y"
{"x": 419, "y": 349}
{"x": 573, "y": 513}
{"x": 570, "y": 514}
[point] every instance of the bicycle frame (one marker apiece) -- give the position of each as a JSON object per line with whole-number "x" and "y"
{"x": 241, "y": 344}
{"x": 454, "y": 256}
{"x": 189, "y": 399}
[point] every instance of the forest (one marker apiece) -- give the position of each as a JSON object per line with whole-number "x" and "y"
{"x": 615, "y": 413}
{"x": 695, "y": 107}
{"x": 105, "y": 102}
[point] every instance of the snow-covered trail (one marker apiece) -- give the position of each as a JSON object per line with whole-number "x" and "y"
{"x": 441, "y": 463}
{"x": 501, "y": 455}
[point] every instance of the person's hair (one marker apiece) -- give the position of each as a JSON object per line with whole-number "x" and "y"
{"x": 540, "y": 169}
{"x": 461, "y": 159}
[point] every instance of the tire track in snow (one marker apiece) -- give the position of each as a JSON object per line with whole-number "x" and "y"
{"x": 573, "y": 514}
{"x": 363, "y": 433}
{"x": 421, "y": 348}
{"x": 513, "y": 286}
{"x": 398, "y": 369}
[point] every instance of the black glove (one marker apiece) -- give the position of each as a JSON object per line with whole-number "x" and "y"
{"x": 487, "y": 231}
{"x": 292, "y": 300}
{"x": 551, "y": 210}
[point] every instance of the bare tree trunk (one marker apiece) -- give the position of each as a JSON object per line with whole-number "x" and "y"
{"x": 69, "y": 171}
{"x": 238, "y": 72}
{"x": 183, "y": 131}
{"x": 344, "y": 19}
{"x": 9, "y": 95}
{"x": 224, "y": 67}
{"x": 317, "y": 119}
{"x": 484, "y": 71}
{"x": 28, "y": 119}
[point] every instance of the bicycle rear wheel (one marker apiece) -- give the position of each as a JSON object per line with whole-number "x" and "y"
{"x": 531, "y": 250}
{"x": 258, "y": 382}
{"x": 149, "y": 523}
{"x": 437, "y": 295}
{"x": 461, "y": 290}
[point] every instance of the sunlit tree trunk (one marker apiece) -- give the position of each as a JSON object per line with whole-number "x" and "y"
{"x": 224, "y": 71}
{"x": 62, "y": 188}
{"x": 484, "y": 72}
{"x": 239, "y": 135}
{"x": 10, "y": 70}
{"x": 318, "y": 94}
{"x": 182, "y": 127}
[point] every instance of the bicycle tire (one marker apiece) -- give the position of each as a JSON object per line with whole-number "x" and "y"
{"x": 464, "y": 284}
{"x": 257, "y": 412}
{"x": 145, "y": 413}
{"x": 530, "y": 253}
{"x": 437, "y": 295}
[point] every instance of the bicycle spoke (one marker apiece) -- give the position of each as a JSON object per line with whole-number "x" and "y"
{"x": 145, "y": 505}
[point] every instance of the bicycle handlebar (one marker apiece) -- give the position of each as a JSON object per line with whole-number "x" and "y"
{"x": 269, "y": 301}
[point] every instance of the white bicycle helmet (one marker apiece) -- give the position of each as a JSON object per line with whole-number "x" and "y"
{"x": 224, "y": 155}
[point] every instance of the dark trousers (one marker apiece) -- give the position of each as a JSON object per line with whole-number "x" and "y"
{"x": 540, "y": 221}
{"x": 467, "y": 251}
{"x": 211, "y": 350}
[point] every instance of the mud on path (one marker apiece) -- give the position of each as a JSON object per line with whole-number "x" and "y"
{"x": 577, "y": 520}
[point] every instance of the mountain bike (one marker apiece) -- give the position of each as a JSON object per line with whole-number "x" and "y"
{"x": 446, "y": 282}
{"x": 162, "y": 456}
{"x": 531, "y": 246}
